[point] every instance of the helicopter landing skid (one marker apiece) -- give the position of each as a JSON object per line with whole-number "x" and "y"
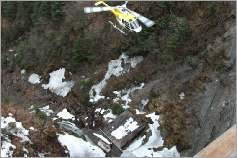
{"x": 117, "y": 28}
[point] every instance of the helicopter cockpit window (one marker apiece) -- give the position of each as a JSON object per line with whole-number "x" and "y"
{"x": 134, "y": 24}
{"x": 125, "y": 23}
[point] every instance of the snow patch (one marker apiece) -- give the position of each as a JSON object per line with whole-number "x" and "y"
{"x": 79, "y": 148}
{"x": 5, "y": 145}
{"x": 182, "y": 95}
{"x": 114, "y": 68}
{"x": 25, "y": 150}
{"x": 23, "y": 71}
{"x": 46, "y": 110}
{"x": 109, "y": 115}
{"x": 18, "y": 130}
{"x": 139, "y": 112}
{"x": 144, "y": 102}
{"x": 56, "y": 85}
{"x": 34, "y": 78}
{"x": 154, "y": 141}
{"x": 124, "y": 95}
{"x": 136, "y": 144}
{"x": 42, "y": 154}
{"x": 100, "y": 110}
{"x": 32, "y": 128}
{"x": 65, "y": 115}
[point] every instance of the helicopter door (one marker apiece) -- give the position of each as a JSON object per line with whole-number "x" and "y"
{"x": 126, "y": 24}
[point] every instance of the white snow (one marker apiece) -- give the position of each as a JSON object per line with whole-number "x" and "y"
{"x": 18, "y": 130}
{"x": 154, "y": 141}
{"x": 32, "y": 128}
{"x": 102, "y": 138}
{"x": 10, "y": 50}
{"x": 42, "y": 154}
{"x": 100, "y": 110}
{"x": 56, "y": 85}
{"x": 114, "y": 68}
{"x": 54, "y": 118}
{"x": 109, "y": 115}
{"x": 34, "y": 78}
{"x": 124, "y": 95}
{"x": 139, "y": 112}
{"x": 46, "y": 110}
{"x": 144, "y": 102}
{"x": 65, "y": 115}
{"x": 25, "y": 150}
{"x": 129, "y": 126}
{"x": 136, "y": 144}
{"x": 23, "y": 71}
{"x": 79, "y": 148}
{"x": 5, "y": 145}
{"x": 182, "y": 95}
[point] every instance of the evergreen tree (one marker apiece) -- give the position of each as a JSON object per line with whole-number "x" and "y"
{"x": 9, "y": 10}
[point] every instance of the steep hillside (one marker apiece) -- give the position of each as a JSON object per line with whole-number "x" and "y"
{"x": 182, "y": 68}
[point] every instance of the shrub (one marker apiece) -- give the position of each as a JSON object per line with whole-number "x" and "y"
{"x": 180, "y": 32}
{"x": 9, "y": 10}
{"x": 193, "y": 62}
{"x": 117, "y": 49}
{"x": 166, "y": 4}
{"x": 117, "y": 109}
{"x": 46, "y": 10}
{"x": 80, "y": 54}
{"x": 164, "y": 21}
{"x": 138, "y": 80}
{"x": 167, "y": 56}
{"x": 85, "y": 84}
{"x": 39, "y": 113}
{"x": 37, "y": 110}
{"x": 85, "y": 97}
{"x": 56, "y": 10}
{"x": 213, "y": 55}
{"x": 6, "y": 100}
{"x": 139, "y": 44}
{"x": 42, "y": 115}
{"x": 4, "y": 62}
{"x": 120, "y": 110}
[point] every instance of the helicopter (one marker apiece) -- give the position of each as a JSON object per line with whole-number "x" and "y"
{"x": 127, "y": 18}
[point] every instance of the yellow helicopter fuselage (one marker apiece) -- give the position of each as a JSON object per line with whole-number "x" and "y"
{"x": 124, "y": 18}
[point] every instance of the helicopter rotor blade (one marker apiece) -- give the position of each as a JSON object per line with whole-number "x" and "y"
{"x": 143, "y": 19}
{"x": 97, "y": 9}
